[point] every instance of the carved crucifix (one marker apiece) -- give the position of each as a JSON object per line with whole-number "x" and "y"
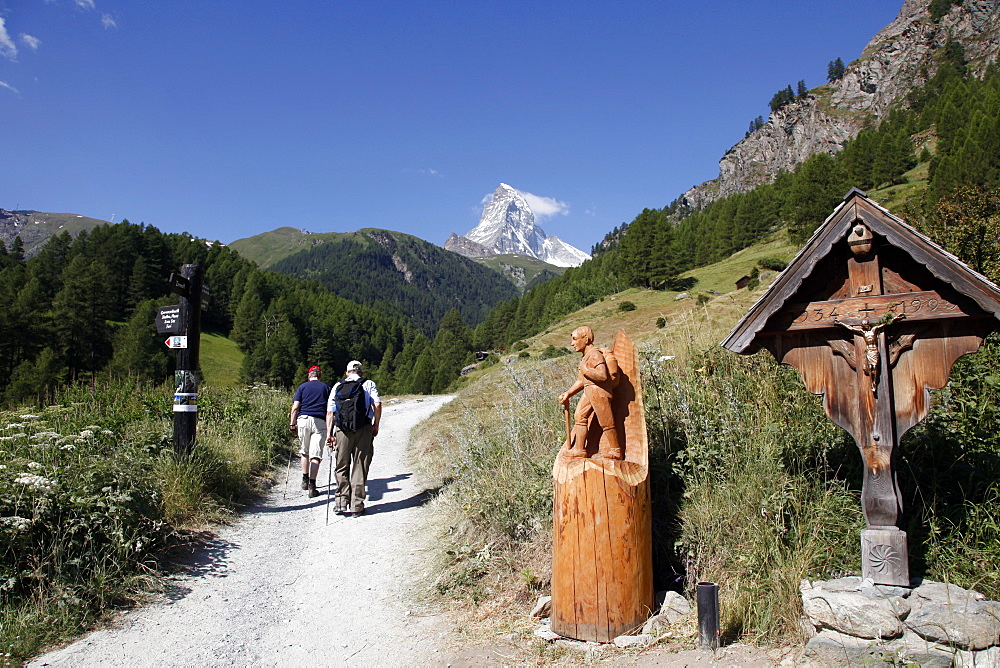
{"x": 873, "y": 315}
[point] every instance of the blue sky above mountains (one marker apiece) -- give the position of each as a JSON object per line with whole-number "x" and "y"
{"x": 228, "y": 119}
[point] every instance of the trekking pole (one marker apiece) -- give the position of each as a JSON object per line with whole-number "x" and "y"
{"x": 288, "y": 472}
{"x": 569, "y": 428}
{"x": 332, "y": 455}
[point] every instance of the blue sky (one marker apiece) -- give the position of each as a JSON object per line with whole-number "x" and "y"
{"x": 227, "y": 119}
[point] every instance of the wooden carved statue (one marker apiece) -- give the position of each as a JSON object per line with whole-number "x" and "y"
{"x": 873, "y": 315}
{"x": 598, "y": 379}
{"x": 602, "y": 564}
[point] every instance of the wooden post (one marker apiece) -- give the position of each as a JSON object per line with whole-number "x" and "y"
{"x": 602, "y": 570}
{"x": 189, "y": 288}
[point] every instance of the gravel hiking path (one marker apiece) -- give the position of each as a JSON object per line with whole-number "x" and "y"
{"x": 280, "y": 587}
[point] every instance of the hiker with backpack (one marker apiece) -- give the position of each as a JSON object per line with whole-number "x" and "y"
{"x": 352, "y": 415}
{"x": 598, "y": 376}
{"x": 308, "y": 422}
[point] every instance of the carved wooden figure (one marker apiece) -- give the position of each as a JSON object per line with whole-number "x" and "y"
{"x": 873, "y": 315}
{"x": 602, "y": 563}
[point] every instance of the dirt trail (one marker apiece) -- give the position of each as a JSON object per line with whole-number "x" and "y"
{"x": 281, "y": 587}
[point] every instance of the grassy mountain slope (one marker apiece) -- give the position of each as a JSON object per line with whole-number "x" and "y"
{"x": 716, "y": 281}
{"x": 523, "y": 271}
{"x": 267, "y": 248}
{"x": 221, "y": 359}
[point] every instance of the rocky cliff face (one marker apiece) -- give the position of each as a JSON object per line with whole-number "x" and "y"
{"x": 899, "y": 58}
{"x": 467, "y": 247}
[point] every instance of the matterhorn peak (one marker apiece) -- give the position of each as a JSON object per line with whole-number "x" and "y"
{"x": 507, "y": 226}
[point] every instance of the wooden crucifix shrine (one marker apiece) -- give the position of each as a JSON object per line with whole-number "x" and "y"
{"x": 873, "y": 315}
{"x": 602, "y": 557}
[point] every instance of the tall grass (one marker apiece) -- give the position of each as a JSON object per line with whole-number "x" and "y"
{"x": 91, "y": 492}
{"x": 746, "y": 482}
{"x": 493, "y": 449}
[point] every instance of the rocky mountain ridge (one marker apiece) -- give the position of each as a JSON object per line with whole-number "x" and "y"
{"x": 899, "y": 58}
{"x": 507, "y": 226}
{"x": 35, "y": 227}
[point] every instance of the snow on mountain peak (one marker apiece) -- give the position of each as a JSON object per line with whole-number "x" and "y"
{"x": 508, "y": 226}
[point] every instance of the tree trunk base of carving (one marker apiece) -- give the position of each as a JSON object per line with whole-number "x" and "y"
{"x": 884, "y": 556}
{"x": 602, "y": 570}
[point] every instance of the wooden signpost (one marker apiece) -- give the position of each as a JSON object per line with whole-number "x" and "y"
{"x": 873, "y": 315}
{"x": 184, "y": 320}
{"x": 602, "y": 564}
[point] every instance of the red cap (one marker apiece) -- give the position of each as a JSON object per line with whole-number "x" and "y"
{"x": 313, "y": 368}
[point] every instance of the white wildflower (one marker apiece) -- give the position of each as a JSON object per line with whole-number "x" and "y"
{"x": 28, "y": 416}
{"x": 45, "y": 436}
{"x": 34, "y": 465}
{"x": 17, "y": 523}
{"x": 68, "y": 446}
{"x": 3, "y": 467}
{"x": 86, "y": 433}
{"x": 6, "y": 438}
{"x": 93, "y": 427}
{"x": 35, "y": 481}
{"x": 107, "y": 432}
{"x": 15, "y": 425}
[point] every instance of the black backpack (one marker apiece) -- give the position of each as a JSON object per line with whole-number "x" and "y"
{"x": 352, "y": 409}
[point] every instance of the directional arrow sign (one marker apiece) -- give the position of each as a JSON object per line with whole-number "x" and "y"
{"x": 179, "y": 285}
{"x": 168, "y": 320}
{"x": 176, "y": 342}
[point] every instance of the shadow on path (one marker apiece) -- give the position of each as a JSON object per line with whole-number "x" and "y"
{"x": 378, "y": 487}
{"x": 418, "y": 499}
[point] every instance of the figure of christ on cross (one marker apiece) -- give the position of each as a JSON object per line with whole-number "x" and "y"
{"x": 870, "y": 334}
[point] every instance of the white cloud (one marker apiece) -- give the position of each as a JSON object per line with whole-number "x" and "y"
{"x": 545, "y": 207}
{"x": 4, "y": 84}
{"x": 30, "y": 41}
{"x": 108, "y": 21}
{"x": 429, "y": 172}
{"x": 86, "y": 4}
{"x": 7, "y": 47}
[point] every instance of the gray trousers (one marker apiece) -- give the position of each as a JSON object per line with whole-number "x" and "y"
{"x": 354, "y": 456}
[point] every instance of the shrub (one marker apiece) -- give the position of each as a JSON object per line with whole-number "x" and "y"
{"x": 740, "y": 448}
{"x": 553, "y": 351}
{"x": 626, "y": 306}
{"x": 661, "y": 322}
{"x": 772, "y": 263}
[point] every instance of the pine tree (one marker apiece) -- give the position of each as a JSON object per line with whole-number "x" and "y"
{"x": 80, "y": 311}
{"x": 139, "y": 352}
{"x": 835, "y": 70}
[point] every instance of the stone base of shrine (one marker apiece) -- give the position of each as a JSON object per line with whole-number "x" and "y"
{"x": 884, "y": 556}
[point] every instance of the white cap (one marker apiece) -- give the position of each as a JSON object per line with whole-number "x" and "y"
{"x": 353, "y": 365}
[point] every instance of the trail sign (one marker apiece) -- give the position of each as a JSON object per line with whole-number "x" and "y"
{"x": 168, "y": 320}
{"x": 176, "y": 342}
{"x": 179, "y": 285}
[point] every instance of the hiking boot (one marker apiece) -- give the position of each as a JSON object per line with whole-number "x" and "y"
{"x": 313, "y": 492}
{"x": 305, "y": 482}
